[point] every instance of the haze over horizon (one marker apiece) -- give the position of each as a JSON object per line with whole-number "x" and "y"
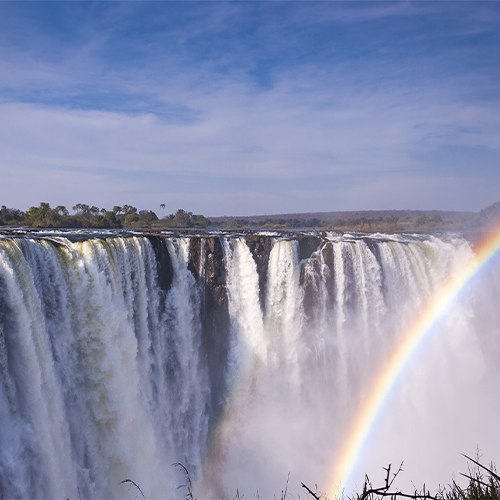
{"x": 246, "y": 108}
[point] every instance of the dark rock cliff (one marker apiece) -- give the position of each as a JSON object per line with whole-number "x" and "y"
{"x": 260, "y": 246}
{"x": 163, "y": 262}
{"x": 208, "y": 266}
{"x": 206, "y": 262}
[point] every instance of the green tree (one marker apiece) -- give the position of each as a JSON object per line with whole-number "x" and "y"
{"x": 131, "y": 218}
{"x": 201, "y": 221}
{"x": 62, "y": 210}
{"x": 293, "y": 222}
{"x": 147, "y": 216}
{"x": 85, "y": 210}
{"x": 422, "y": 220}
{"x": 392, "y": 221}
{"x": 129, "y": 210}
{"x": 11, "y": 215}
{"x": 111, "y": 219}
{"x": 42, "y": 216}
{"x": 182, "y": 218}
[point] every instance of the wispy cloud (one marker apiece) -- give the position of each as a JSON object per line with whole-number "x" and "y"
{"x": 250, "y": 108}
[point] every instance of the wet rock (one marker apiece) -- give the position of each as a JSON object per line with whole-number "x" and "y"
{"x": 308, "y": 245}
{"x": 320, "y": 264}
{"x": 206, "y": 262}
{"x": 260, "y": 246}
{"x": 163, "y": 261}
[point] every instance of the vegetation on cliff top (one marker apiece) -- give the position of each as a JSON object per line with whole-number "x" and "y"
{"x": 85, "y": 216}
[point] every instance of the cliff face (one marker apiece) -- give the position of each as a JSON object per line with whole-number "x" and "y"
{"x": 260, "y": 247}
{"x": 163, "y": 262}
{"x": 208, "y": 266}
{"x": 206, "y": 263}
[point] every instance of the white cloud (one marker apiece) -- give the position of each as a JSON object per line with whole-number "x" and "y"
{"x": 267, "y": 136}
{"x": 176, "y": 123}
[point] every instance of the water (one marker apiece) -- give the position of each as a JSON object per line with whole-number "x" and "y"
{"x": 242, "y": 357}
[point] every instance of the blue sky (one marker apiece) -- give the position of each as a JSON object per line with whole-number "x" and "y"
{"x": 244, "y": 108}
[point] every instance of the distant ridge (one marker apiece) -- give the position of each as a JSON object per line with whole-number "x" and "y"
{"x": 345, "y": 215}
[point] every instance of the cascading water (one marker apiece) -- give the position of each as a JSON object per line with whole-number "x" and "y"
{"x": 243, "y": 357}
{"x": 100, "y": 372}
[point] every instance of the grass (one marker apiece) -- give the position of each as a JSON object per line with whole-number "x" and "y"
{"x": 483, "y": 484}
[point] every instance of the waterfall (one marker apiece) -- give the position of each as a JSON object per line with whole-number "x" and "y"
{"x": 241, "y": 356}
{"x": 101, "y": 380}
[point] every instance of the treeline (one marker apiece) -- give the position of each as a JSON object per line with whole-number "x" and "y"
{"x": 185, "y": 219}
{"x": 389, "y": 223}
{"x": 86, "y": 216}
{"x": 488, "y": 216}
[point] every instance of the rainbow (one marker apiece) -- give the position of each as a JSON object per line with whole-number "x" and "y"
{"x": 365, "y": 419}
